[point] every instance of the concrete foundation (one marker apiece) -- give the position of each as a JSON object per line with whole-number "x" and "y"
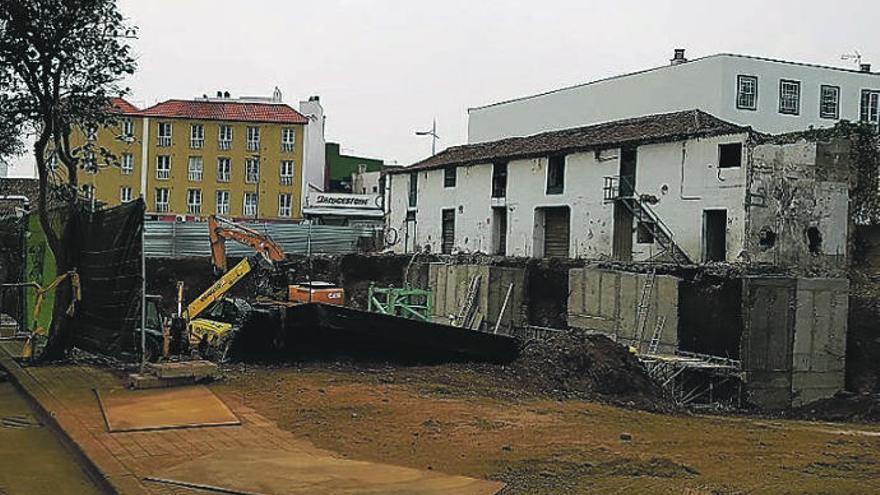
{"x": 450, "y": 284}
{"x": 794, "y": 339}
{"x": 607, "y": 301}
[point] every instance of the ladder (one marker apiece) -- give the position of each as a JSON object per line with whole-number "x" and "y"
{"x": 658, "y": 333}
{"x": 643, "y": 312}
{"x": 468, "y": 309}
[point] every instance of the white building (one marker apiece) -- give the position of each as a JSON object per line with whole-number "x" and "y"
{"x": 704, "y": 190}
{"x": 772, "y": 96}
{"x": 315, "y": 171}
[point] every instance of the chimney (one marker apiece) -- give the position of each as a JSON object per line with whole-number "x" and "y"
{"x": 219, "y": 94}
{"x": 678, "y": 57}
{"x": 314, "y": 98}
{"x": 865, "y": 67}
{"x": 226, "y": 94}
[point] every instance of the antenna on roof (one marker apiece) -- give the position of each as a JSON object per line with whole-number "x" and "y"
{"x": 855, "y": 56}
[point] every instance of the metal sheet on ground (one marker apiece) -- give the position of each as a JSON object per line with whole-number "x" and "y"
{"x": 162, "y": 409}
{"x": 273, "y": 472}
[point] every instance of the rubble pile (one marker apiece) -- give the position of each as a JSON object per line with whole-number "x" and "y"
{"x": 576, "y": 364}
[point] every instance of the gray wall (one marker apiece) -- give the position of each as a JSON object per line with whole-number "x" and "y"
{"x": 450, "y": 284}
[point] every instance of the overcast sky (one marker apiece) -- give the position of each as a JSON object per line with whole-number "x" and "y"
{"x": 386, "y": 68}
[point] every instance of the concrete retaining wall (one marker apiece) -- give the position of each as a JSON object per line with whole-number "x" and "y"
{"x": 450, "y": 284}
{"x": 607, "y": 301}
{"x": 794, "y": 339}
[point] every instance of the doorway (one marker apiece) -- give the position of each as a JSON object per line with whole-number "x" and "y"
{"x": 714, "y": 235}
{"x": 448, "y": 240}
{"x": 552, "y": 232}
{"x": 499, "y": 231}
{"x": 622, "y": 237}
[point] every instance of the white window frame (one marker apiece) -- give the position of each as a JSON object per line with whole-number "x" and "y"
{"x": 163, "y": 139}
{"x": 869, "y": 106}
{"x": 128, "y": 130}
{"x": 124, "y": 194}
{"x": 288, "y": 139}
{"x": 91, "y": 133}
{"x": 285, "y": 205}
{"x": 824, "y": 91}
{"x": 196, "y": 136}
{"x": 163, "y": 173}
{"x": 224, "y": 137}
{"x": 195, "y": 168}
{"x": 224, "y": 174}
{"x": 251, "y": 165}
{"x": 163, "y": 200}
{"x": 194, "y": 201}
{"x": 250, "y": 210}
{"x": 287, "y": 178}
{"x": 789, "y": 91}
{"x": 126, "y": 166}
{"x": 746, "y": 100}
{"x": 253, "y": 138}
{"x": 222, "y": 206}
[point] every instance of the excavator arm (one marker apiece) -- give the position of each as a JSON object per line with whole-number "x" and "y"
{"x": 221, "y": 229}
{"x": 218, "y": 289}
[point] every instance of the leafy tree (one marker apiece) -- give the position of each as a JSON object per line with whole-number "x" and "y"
{"x": 60, "y": 63}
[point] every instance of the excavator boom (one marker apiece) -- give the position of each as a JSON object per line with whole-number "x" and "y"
{"x": 221, "y": 229}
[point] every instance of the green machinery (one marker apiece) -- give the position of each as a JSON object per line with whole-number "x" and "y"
{"x": 405, "y": 302}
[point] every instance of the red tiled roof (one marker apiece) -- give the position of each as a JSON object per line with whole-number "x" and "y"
{"x": 232, "y": 111}
{"x": 123, "y": 106}
{"x": 640, "y": 130}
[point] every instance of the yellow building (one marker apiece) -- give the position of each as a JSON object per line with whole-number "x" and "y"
{"x": 193, "y": 158}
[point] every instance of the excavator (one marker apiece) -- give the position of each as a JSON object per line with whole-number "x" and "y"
{"x": 213, "y": 332}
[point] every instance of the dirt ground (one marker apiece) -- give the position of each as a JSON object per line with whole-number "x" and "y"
{"x": 459, "y": 420}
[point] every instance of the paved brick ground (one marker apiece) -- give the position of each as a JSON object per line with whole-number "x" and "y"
{"x": 66, "y": 392}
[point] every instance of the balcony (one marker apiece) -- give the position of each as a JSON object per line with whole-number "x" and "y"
{"x": 163, "y": 141}
{"x": 253, "y": 146}
{"x": 161, "y": 207}
{"x": 224, "y": 144}
{"x": 196, "y": 143}
{"x": 195, "y": 175}
{"x": 163, "y": 174}
{"x": 287, "y": 147}
{"x": 194, "y": 209}
{"x": 286, "y": 180}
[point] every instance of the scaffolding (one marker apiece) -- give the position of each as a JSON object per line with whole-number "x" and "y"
{"x": 694, "y": 379}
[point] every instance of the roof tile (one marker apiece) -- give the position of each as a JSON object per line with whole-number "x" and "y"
{"x": 229, "y": 111}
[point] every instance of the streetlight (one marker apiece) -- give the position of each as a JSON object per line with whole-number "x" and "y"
{"x": 434, "y": 137}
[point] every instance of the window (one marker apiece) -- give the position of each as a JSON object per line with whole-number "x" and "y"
{"x": 224, "y": 139}
{"x": 128, "y": 129}
{"x": 52, "y": 161}
{"x": 162, "y": 200}
{"x": 556, "y": 174}
{"x": 194, "y": 201}
{"x": 789, "y": 97}
{"x": 829, "y": 102}
{"x": 250, "y": 204}
{"x": 499, "y": 180}
{"x": 413, "y": 190}
{"x": 251, "y": 170}
{"x": 90, "y": 165}
{"x": 89, "y": 191}
{"x": 447, "y": 241}
{"x": 163, "y": 167}
{"x": 870, "y": 106}
{"x": 127, "y": 164}
{"x": 196, "y": 136}
{"x": 91, "y": 133}
{"x": 288, "y": 138}
{"x": 253, "y": 138}
{"x": 449, "y": 175}
{"x": 747, "y": 92}
{"x": 222, "y": 202}
{"x": 125, "y": 194}
{"x": 730, "y": 155}
{"x": 286, "y": 172}
{"x": 284, "y": 205}
{"x": 195, "y": 168}
{"x": 224, "y": 170}
{"x": 164, "y": 135}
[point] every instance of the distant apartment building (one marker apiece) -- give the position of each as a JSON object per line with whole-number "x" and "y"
{"x": 341, "y": 167}
{"x": 242, "y": 158}
{"x": 772, "y": 96}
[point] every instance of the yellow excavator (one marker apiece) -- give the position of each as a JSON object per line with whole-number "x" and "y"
{"x": 213, "y": 332}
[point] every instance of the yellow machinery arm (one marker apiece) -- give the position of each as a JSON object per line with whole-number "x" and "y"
{"x": 221, "y": 229}
{"x": 218, "y": 289}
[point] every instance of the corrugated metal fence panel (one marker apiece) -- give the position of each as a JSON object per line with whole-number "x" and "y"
{"x": 172, "y": 239}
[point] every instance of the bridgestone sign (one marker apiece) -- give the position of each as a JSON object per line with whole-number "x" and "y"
{"x": 330, "y": 200}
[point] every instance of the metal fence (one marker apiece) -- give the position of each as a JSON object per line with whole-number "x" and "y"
{"x": 177, "y": 239}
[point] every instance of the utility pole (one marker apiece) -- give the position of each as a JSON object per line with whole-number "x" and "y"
{"x": 434, "y": 137}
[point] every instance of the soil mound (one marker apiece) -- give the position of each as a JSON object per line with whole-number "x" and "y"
{"x": 576, "y": 364}
{"x": 844, "y": 406}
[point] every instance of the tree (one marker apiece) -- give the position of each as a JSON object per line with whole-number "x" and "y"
{"x": 60, "y": 63}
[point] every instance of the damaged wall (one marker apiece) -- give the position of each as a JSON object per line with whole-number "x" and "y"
{"x": 798, "y": 205}
{"x": 607, "y": 301}
{"x": 794, "y": 339}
